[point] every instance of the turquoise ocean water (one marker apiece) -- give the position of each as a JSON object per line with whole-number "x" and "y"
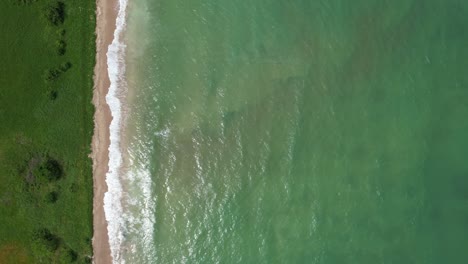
{"x": 270, "y": 131}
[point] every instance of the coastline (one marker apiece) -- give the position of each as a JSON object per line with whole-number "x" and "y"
{"x": 106, "y": 14}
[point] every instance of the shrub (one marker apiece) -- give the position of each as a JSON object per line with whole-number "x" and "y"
{"x": 49, "y": 240}
{"x": 52, "y": 94}
{"x": 61, "y": 47}
{"x": 71, "y": 256}
{"x": 62, "y": 32}
{"x": 25, "y": 2}
{"x": 55, "y": 13}
{"x": 49, "y": 169}
{"x": 74, "y": 187}
{"x": 52, "y": 75}
{"x": 65, "y": 66}
{"x": 52, "y": 197}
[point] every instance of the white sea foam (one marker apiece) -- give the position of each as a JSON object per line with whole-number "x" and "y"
{"x": 128, "y": 204}
{"x": 113, "y": 197}
{"x": 140, "y": 220}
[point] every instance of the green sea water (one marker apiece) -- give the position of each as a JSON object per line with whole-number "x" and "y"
{"x": 312, "y": 131}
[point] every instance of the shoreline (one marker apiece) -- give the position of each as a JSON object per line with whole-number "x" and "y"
{"x": 106, "y": 15}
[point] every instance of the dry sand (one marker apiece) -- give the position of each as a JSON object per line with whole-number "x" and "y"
{"x": 106, "y": 17}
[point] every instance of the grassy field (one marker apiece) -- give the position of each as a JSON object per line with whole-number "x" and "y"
{"x": 47, "y": 54}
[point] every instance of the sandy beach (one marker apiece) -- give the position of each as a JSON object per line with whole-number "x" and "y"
{"x": 105, "y": 25}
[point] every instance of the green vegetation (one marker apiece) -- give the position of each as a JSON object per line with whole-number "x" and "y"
{"x": 24, "y": 2}
{"x": 61, "y": 47}
{"x": 55, "y": 13}
{"x": 47, "y": 52}
{"x": 49, "y": 240}
{"x": 52, "y": 197}
{"x": 45, "y": 169}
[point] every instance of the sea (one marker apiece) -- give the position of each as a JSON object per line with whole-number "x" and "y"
{"x": 300, "y": 131}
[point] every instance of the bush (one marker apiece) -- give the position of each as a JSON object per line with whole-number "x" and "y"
{"x": 55, "y": 13}
{"x": 52, "y": 75}
{"x": 65, "y": 66}
{"x": 61, "y": 47}
{"x": 74, "y": 187}
{"x": 49, "y": 240}
{"x": 71, "y": 256}
{"x": 25, "y": 2}
{"x": 48, "y": 169}
{"x": 52, "y": 94}
{"x": 62, "y": 32}
{"x": 52, "y": 197}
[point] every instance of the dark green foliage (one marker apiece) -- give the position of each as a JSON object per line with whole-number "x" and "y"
{"x": 87, "y": 260}
{"x": 49, "y": 240}
{"x": 55, "y": 13}
{"x": 52, "y": 75}
{"x": 74, "y": 188}
{"x": 24, "y": 2}
{"x": 52, "y": 94}
{"x": 65, "y": 66}
{"x": 49, "y": 169}
{"x": 71, "y": 256}
{"x": 52, "y": 197}
{"x": 61, "y": 47}
{"x": 46, "y": 113}
{"x": 62, "y": 32}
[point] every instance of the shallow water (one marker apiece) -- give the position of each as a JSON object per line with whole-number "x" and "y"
{"x": 296, "y": 132}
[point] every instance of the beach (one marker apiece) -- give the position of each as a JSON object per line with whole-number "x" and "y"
{"x": 105, "y": 25}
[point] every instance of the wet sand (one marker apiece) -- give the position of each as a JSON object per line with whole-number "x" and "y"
{"x": 105, "y": 25}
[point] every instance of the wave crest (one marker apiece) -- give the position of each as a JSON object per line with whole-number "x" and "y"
{"x": 113, "y": 197}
